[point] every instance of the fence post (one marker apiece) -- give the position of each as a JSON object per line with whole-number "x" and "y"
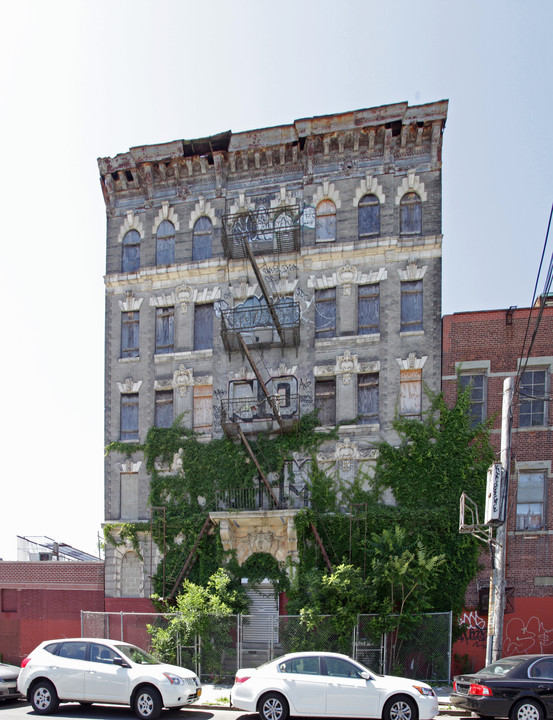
{"x": 450, "y": 641}
{"x": 122, "y": 638}
{"x": 82, "y": 623}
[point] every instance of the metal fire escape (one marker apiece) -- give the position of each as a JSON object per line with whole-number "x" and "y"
{"x": 266, "y": 405}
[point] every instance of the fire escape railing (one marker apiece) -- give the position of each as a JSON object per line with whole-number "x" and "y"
{"x": 256, "y": 324}
{"x": 264, "y": 231}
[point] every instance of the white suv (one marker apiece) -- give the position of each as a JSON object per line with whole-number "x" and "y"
{"x": 89, "y": 670}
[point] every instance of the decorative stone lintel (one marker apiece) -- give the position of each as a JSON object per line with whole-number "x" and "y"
{"x": 412, "y": 362}
{"x": 270, "y": 531}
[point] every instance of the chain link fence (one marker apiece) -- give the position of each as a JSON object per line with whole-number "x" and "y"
{"x": 229, "y": 643}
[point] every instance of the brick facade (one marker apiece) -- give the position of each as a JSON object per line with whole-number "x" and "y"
{"x": 43, "y": 600}
{"x": 489, "y": 345}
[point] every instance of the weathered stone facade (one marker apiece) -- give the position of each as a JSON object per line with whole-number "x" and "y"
{"x": 360, "y": 260}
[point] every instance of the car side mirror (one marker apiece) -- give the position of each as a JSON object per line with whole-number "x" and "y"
{"x": 366, "y": 676}
{"x": 121, "y": 662}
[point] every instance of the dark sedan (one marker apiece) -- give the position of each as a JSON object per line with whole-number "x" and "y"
{"x": 518, "y": 688}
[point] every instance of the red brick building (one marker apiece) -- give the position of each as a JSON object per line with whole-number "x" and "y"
{"x": 485, "y": 347}
{"x": 43, "y": 600}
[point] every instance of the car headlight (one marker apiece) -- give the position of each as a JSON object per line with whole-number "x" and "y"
{"x": 424, "y": 690}
{"x": 174, "y": 679}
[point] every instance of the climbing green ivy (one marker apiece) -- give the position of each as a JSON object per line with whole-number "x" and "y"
{"x": 189, "y": 478}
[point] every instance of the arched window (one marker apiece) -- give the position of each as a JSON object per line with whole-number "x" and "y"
{"x": 201, "y": 238}
{"x": 325, "y": 221}
{"x": 165, "y": 247}
{"x": 131, "y": 252}
{"x": 369, "y": 216}
{"x": 410, "y": 219}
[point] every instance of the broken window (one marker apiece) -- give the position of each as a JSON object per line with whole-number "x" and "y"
{"x": 201, "y": 239}
{"x": 325, "y": 313}
{"x": 530, "y": 500}
{"x": 131, "y": 252}
{"x": 203, "y": 408}
{"x": 129, "y": 334}
{"x": 477, "y": 408}
{"x": 129, "y": 416}
{"x": 325, "y": 401}
{"x": 532, "y": 398}
{"x": 325, "y": 221}
{"x": 410, "y": 218}
{"x": 411, "y": 305}
{"x": 367, "y": 398}
{"x": 165, "y": 243}
{"x": 369, "y": 216}
{"x": 368, "y": 309}
{"x": 203, "y": 326}
{"x": 410, "y": 393}
{"x": 165, "y": 329}
{"x": 163, "y": 417}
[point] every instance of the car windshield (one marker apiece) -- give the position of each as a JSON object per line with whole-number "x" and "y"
{"x": 138, "y": 656}
{"x": 500, "y": 668}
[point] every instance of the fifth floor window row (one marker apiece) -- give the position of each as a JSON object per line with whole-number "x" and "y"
{"x": 368, "y": 221}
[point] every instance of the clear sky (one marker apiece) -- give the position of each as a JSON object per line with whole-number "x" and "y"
{"x": 86, "y": 79}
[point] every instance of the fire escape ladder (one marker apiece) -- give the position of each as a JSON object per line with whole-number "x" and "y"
{"x": 265, "y": 292}
{"x": 258, "y": 466}
{"x": 322, "y": 547}
{"x": 264, "y": 382}
{"x": 191, "y": 557}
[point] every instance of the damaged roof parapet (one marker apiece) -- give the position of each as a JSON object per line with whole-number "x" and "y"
{"x": 388, "y": 134}
{"x": 279, "y": 135}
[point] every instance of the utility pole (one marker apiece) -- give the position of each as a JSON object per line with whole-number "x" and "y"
{"x": 496, "y": 606}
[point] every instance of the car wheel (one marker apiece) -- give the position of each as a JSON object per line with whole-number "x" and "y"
{"x": 147, "y": 703}
{"x": 44, "y": 698}
{"x": 526, "y": 710}
{"x": 273, "y": 706}
{"x": 400, "y": 707}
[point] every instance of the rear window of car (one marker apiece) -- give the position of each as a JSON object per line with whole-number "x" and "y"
{"x": 309, "y": 665}
{"x": 72, "y": 650}
{"x": 500, "y": 668}
{"x": 51, "y": 648}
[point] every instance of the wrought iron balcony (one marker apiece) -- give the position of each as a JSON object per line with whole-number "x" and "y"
{"x": 251, "y": 499}
{"x": 264, "y": 231}
{"x": 257, "y": 414}
{"x": 261, "y": 324}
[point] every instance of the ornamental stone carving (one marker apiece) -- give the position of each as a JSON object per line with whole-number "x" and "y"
{"x": 183, "y": 378}
{"x": 346, "y": 365}
{"x": 183, "y": 294}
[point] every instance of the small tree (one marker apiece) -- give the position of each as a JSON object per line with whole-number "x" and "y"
{"x": 201, "y": 612}
{"x": 401, "y": 576}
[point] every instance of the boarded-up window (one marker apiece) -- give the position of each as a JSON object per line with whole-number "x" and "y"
{"x": 532, "y": 398}
{"x": 367, "y": 398}
{"x": 203, "y": 408}
{"x": 410, "y": 219}
{"x": 165, "y": 329}
{"x": 165, "y": 245}
{"x": 325, "y": 313}
{"x": 410, "y": 393}
{"x": 129, "y": 334}
{"x": 203, "y": 327}
{"x": 368, "y": 309}
{"x": 129, "y": 496}
{"x": 411, "y": 305}
{"x": 201, "y": 239}
{"x": 164, "y": 408}
{"x": 325, "y": 401}
{"x": 369, "y": 216}
{"x": 131, "y": 252}
{"x": 530, "y": 500}
{"x": 129, "y": 416}
{"x": 325, "y": 221}
{"x": 477, "y": 408}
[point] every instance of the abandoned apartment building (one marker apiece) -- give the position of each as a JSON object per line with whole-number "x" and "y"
{"x": 254, "y": 276}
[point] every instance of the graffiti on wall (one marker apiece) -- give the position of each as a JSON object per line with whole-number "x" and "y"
{"x": 474, "y": 629}
{"x": 527, "y": 636}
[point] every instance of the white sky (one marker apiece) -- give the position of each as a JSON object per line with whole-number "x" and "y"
{"x": 81, "y": 80}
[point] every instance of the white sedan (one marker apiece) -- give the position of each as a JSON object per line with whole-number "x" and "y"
{"x": 88, "y": 670}
{"x": 318, "y": 683}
